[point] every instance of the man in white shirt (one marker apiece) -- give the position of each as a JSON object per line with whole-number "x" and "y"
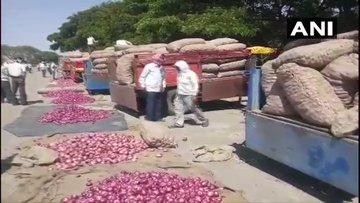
{"x": 42, "y": 67}
{"x": 6, "y": 91}
{"x": 17, "y": 72}
{"x": 53, "y": 69}
{"x": 91, "y": 43}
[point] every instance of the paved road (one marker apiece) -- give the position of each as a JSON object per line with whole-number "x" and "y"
{"x": 260, "y": 179}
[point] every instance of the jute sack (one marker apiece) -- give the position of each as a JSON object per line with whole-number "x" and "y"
{"x": 354, "y": 35}
{"x": 231, "y": 47}
{"x": 122, "y": 47}
{"x": 161, "y": 50}
{"x": 222, "y": 41}
{"x": 316, "y": 56}
{"x": 82, "y": 59}
{"x": 101, "y": 66}
{"x": 74, "y": 54}
{"x": 277, "y": 103}
{"x": 346, "y": 123}
{"x": 156, "y": 135}
{"x": 100, "y": 71}
{"x": 210, "y": 67}
{"x": 209, "y": 75}
{"x": 139, "y": 49}
{"x": 156, "y": 45}
{"x": 99, "y": 60}
{"x": 356, "y": 99}
{"x": 124, "y": 69}
{"x": 197, "y": 48}
{"x": 104, "y": 54}
{"x": 229, "y": 73}
{"x": 356, "y": 47}
{"x": 175, "y": 46}
{"x": 268, "y": 77}
{"x": 343, "y": 75}
{"x": 109, "y": 49}
{"x": 236, "y": 65}
{"x": 310, "y": 94}
{"x": 119, "y": 53}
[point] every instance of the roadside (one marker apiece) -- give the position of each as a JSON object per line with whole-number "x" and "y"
{"x": 260, "y": 179}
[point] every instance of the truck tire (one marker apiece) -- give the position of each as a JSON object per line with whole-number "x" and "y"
{"x": 170, "y": 97}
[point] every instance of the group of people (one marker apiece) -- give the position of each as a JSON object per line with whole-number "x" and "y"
{"x": 153, "y": 82}
{"x": 47, "y": 67}
{"x": 13, "y": 71}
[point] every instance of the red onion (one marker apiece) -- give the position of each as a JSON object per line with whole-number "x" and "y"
{"x": 151, "y": 187}
{"x": 73, "y": 114}
{"x": 58, "y": 93}
{"x": 66, "y": 83}
{"x": 73, "y": 98}
{"x": 95, "y": 148}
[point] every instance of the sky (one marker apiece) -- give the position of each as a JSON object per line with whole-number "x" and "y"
{"x": 29, "y": 22}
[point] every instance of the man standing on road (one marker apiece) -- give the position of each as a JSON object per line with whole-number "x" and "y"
{"x": 42, "y": 67}
{"x": 17, "y": 72}
{"x": 152, "y": 80}
{"x": 53, "y": 69}
{"x": 187, "y": 90}
{"x": 6, "y": 91}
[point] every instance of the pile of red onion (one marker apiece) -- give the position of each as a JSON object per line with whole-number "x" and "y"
{"x": 151, "y": 187}
{"x": 96, "y": 148}
{"x": 66, "y": 83}
{"x": 58, "y": 93}
{"x": 73, "y": 98}
{"x": 73, "y": 114}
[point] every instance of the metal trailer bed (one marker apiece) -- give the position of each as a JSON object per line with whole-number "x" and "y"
{"x": 95, "y": 83}
{"x": 301, "y": 146}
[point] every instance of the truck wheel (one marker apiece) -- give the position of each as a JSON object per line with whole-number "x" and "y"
{"x": 171, "y": 94}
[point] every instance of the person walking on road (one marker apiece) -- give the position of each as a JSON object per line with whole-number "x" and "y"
{"x": 187, "y": 90}
{"x": 6, "y": 91}
{"x": 42, "y": 67}
{"x": 53, "y": 70}
{"x": 17, "y": 72}
{"x": 152, "y": 80}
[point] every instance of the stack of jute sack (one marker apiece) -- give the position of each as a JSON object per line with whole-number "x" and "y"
{"x": 99, "y": 59}
{"x": 317, "y": 83}
{"x": 123, "y": 72}
{"x": 77, "y": 56}
{"x": 224, "y": 67}
{"x": 124, "y": 65}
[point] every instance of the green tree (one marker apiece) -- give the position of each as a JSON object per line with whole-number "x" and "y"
{"x": 255, "y": 22}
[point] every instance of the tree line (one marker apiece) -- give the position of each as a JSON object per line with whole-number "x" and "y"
{"x": 254, "y": 22}
{"x": 28, "y": 53}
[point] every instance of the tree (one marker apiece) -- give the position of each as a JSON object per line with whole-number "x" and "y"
{"x": 255, "y": 22}
{"x": 28, "y": 53}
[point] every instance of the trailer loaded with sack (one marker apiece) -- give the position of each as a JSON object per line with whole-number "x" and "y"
{"x": 222, "y": 74}
{"x": 303, "y": 111}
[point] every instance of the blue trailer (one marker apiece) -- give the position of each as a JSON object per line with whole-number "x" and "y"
{"x": 95, "y": 83}
{"x": 311, "y": 150}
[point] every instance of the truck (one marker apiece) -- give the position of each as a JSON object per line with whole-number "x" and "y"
{"x": 309, "y": 149}
{"x": 131, "y": 97}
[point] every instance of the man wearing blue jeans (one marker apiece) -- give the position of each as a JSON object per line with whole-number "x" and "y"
{"x": 152, "y": 80}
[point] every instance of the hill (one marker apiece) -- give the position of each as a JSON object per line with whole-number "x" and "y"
{"x": 28, "y": 53}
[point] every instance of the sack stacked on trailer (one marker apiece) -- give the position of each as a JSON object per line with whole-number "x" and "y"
{"x": 77, "y": 56}
{"x": 317, "y": 82}
{"x": 100, "y": 59}
{"x": 219, "y": 68}
{"x": 227, "y": 44}
{"x": 189, "y": 45}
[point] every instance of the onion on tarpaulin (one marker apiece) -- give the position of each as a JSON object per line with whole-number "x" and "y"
{"x": 65, "y": 83}
{"x": 73, "y": 114}
{"x": 96, "y": 148}
{"x": 71, "y": 98}
{"x": 148, "y": 187}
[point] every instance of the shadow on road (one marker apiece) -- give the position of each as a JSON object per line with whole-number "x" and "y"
{"x": 35, "y": 102}
{"x": 312, "y": 186}
{"x": 6, "y": 163}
